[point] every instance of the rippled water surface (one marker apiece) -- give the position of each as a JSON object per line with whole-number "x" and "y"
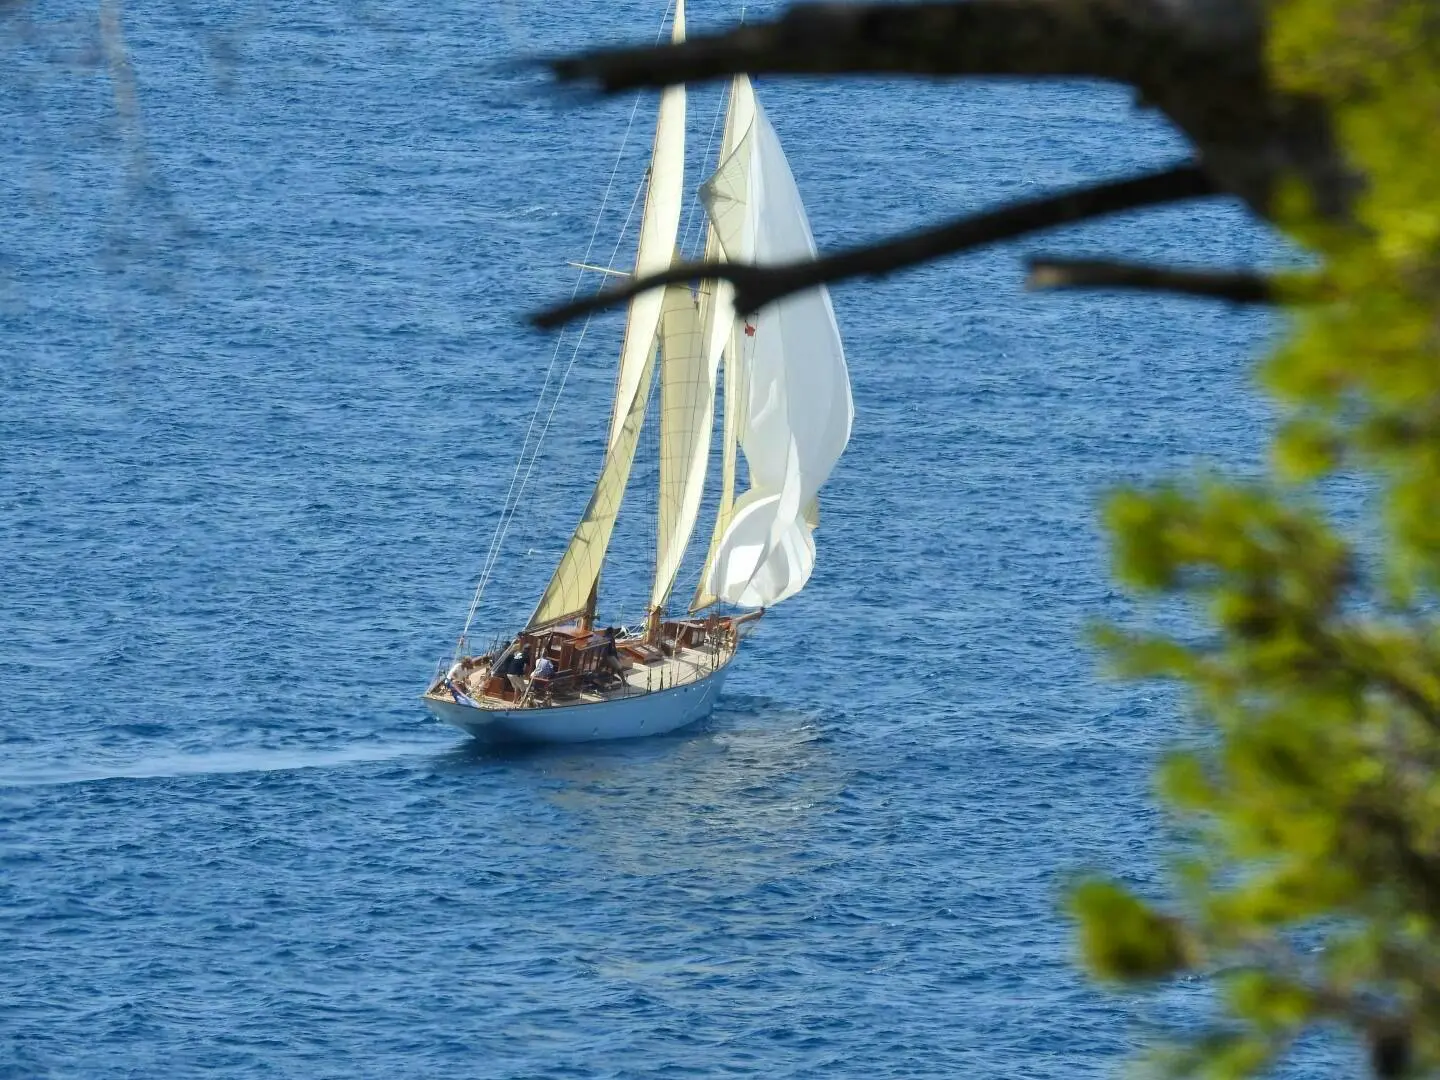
{"x": 262, "y": 385}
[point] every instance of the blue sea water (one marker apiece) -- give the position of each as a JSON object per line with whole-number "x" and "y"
{"x": 263, "y": 381}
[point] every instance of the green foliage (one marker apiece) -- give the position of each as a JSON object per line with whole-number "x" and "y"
{"x": 1124, "y": 939}
{"x": 1312, "y": 894}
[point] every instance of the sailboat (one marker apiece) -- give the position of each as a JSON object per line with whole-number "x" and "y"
{"x": 787, "y": 409}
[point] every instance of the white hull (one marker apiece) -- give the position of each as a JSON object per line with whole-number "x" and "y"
{"x": 651, "y": 713}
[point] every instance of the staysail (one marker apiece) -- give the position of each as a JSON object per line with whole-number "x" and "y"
{"x": 570, "y": 586}
{"x": 687, "y": 413}
{"x": 797, "y": 406}
{"x": 726, "y": 196}
{"x": 689, "y": 369}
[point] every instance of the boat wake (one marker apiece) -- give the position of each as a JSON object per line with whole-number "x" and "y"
{"x": 210, "y": 764}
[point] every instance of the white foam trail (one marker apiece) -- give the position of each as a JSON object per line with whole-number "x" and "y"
{"x": 240, "y": 761}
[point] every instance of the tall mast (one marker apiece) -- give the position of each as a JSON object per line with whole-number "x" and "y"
{"x": 570, "y": 590}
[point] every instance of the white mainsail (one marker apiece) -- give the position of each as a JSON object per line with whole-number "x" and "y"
{"x": 797, "y": 406}
{"x": 575, "y": 577}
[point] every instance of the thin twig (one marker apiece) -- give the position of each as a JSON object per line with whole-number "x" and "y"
{"x": 1239, "y": 287}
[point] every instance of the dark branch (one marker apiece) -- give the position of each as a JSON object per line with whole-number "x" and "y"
{"x": 1201, "y": 62}
{"x": 1238, "y": 287}
{"x": 1113, "y": 39}
{"x": 756, "y": 286}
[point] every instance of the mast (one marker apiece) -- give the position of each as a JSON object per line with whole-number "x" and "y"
{"x": 571, "y": 589}
{"x": 659, "y": 228}
{"x": 587, "y": 617}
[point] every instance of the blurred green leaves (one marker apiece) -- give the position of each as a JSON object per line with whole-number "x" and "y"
{"x": 1311, "y": 890}
{"x": 1122, "y": 938}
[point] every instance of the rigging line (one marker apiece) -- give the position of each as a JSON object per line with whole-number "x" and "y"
{"x": 642, "y": 188}
{"x": 694, "y": 217}
{"x": 511, "y": 503}
{"x": 565, "y": 377}
{"x": 508, "y": 509}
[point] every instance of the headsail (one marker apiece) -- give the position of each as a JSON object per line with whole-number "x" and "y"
{"x": 797, "y": 405}
{"x": 574, "y": 579}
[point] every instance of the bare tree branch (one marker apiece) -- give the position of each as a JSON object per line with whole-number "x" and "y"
{"x": 1239, "y": 287}
{"x": 756, "y": 286}
{"x": 1201, "y": 62}
{"x": 1112, "y": 39}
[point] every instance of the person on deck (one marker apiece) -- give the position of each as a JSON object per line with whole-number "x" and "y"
{"x": 544, "y": 668}
{"x": 610, "y": 654}
{"x": 513, "y": 670}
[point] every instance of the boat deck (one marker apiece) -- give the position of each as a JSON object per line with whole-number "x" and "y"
{"x": 683, "y": 666}
{"x": 686, "y": 666}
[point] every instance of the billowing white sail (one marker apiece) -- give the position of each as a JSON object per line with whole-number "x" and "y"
{"x": 574, "y": 579}
{"x": 798, "y": 410}
{"x": 727, "y": 193}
